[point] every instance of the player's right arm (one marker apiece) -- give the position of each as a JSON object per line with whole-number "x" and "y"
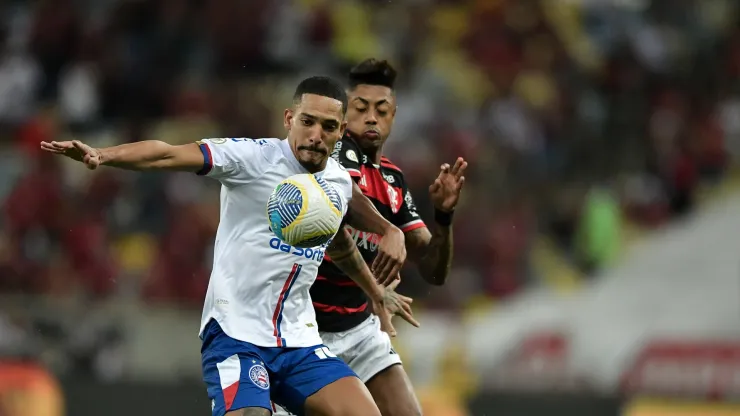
{"x": 145, "y": 155}
{"x": 228, "y": 160}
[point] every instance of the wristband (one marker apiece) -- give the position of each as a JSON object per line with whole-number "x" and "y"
{"x": 443, "y": 218}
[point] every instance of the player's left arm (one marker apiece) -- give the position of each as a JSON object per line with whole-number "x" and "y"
{"x": 432, "y": 251}
{"x": 345, "y": 255}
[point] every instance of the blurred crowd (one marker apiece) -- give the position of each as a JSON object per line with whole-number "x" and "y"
{"x": 575, "y": 116}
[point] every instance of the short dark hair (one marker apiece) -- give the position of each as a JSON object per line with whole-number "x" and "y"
{"x": 372, "y": 72}
{"x": 324, "y": 86}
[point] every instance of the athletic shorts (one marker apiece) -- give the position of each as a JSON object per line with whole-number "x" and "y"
{"x": 239, "y": 374}
{"x": 366, "y": 349}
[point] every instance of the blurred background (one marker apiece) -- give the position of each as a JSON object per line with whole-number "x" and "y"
{"x": 597, "y": 267}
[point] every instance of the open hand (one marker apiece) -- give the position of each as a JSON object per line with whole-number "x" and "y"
{"x": 399, "y": 305}
{"x": 75, "y": 149}
{"x": 445, "y": 191}
{"x": 384, "y": 316}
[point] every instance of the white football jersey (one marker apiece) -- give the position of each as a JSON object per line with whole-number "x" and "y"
{"x": 259, "y": 286}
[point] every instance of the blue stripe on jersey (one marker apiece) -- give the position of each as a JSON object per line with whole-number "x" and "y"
{"x": 207, "y": 159}
{"x": 283, "y": 296}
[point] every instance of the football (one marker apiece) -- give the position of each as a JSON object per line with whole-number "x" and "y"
{"x": 304, "y": 211}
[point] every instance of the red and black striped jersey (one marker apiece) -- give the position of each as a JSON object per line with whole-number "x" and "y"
{"x": 339, "y": 303}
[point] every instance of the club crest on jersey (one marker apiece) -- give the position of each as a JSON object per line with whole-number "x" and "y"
{"x": 394, "y": 199}
{"x": 351, "y": 155}
{"x": 259, "y": 376}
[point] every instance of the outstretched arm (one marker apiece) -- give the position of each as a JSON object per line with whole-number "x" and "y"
{"x": 432, "y": 253}
{"x": 145, "y": 155}
{"x": 391, "y": 250}
{"x": 347, "y": 257}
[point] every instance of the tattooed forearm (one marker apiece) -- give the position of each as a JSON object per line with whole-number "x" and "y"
{"x": 432, "y": 252}
{"x": 347, "y": 257}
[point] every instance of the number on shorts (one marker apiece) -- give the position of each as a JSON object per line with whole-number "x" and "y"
{"x": 324, "y": 353}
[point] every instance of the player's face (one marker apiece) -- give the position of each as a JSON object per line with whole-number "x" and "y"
{"x": 314, "y": 127}
{"x": 370, "y": 114}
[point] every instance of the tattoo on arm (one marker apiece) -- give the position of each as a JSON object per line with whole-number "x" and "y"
{"x": 432, "y": 253}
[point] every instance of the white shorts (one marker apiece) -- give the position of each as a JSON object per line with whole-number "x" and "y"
{"x": 365, "y": 348}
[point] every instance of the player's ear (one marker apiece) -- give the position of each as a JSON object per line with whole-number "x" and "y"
{"x": 342, "y": 128}
{"x": 393, "y": 112}
{"x": 288, "y": 118}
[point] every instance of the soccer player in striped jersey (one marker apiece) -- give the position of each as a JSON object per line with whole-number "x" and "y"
{"x": 345, "y": 323}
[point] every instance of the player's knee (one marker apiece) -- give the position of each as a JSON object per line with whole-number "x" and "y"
{"x": 401, "y": 408}
{"x": 354, "y": 407}
{"x": 350, "y": 408}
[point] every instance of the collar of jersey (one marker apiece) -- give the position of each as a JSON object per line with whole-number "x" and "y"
{"x": 288, "y": 153}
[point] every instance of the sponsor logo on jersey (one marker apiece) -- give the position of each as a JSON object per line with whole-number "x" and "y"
{"x": 337, "y": 149}
{"x": 410, "y": 204}
{"x": 351, "y": 155}
{"x": 363, "y": 239}
{"x": 309, "y": 253}
{"x": 389, "y": 178}
{"x": 259, "y": 376}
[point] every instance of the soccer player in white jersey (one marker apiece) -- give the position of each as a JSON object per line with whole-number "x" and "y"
{"x": 260, "y": 339}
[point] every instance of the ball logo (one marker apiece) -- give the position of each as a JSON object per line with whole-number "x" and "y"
{"x": 259, "y": 376}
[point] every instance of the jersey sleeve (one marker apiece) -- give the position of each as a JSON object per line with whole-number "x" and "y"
{"x": 234, "y": 160}
{"x": 407, "y": 218}
{"x": 345, "y": 190}
{"x": 348, "y": 155}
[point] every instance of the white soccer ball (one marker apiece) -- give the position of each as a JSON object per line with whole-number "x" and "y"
{"x": 304, "y": 211}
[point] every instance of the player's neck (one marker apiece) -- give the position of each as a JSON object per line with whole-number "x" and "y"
{"x": 372, "y": 151}
{"x": 375, "y": 158}
{"x": 374, "y": 154}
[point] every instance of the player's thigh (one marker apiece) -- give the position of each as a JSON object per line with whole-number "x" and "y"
{"x": 366, "y": 349}
{"x": 370, "y": 354}
{"x": 235, "y": 375}
{"x": 347, "y": 396}
{"x": 314, "y": 382}
{"x": 393, "y": 393}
